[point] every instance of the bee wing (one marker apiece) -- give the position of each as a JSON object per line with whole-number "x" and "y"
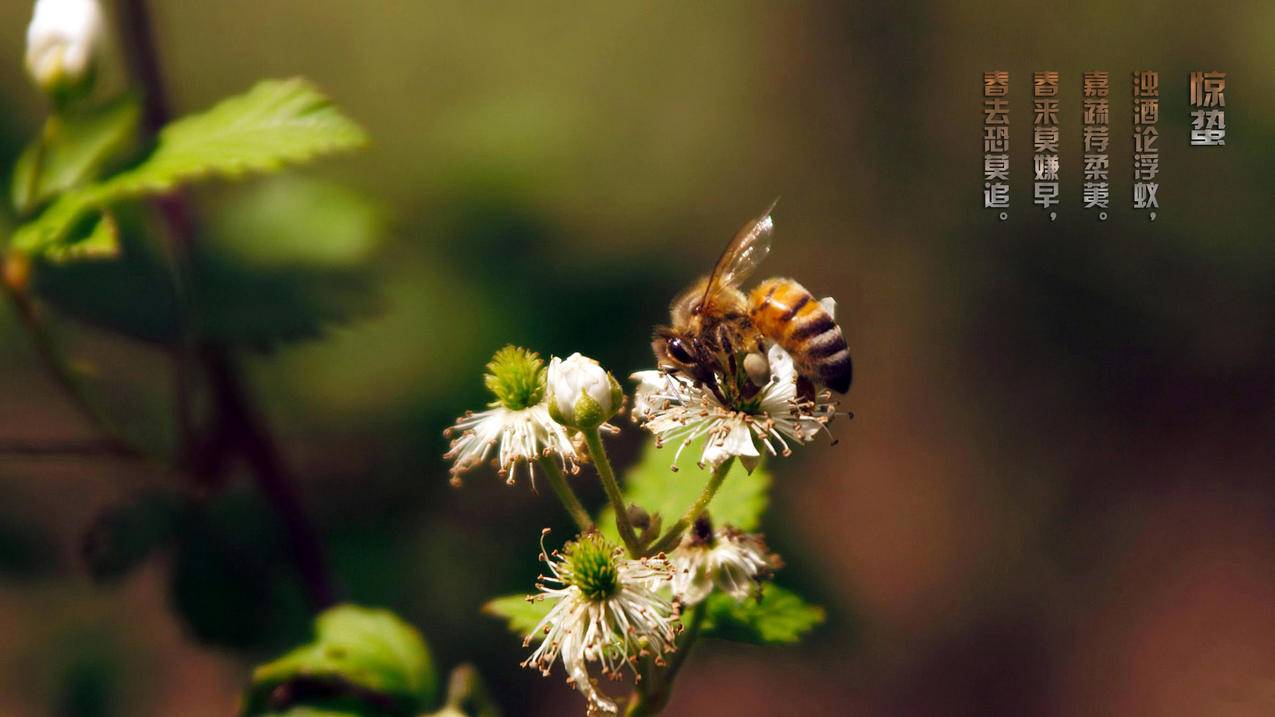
{"x": 743, "y": 255}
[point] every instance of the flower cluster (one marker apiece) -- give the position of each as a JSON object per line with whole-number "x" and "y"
{"x": 677, "y": 409}
{"x": 609, "y": 610}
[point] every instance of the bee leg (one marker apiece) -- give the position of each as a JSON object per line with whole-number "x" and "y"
{"x": 758, "y": 368}
{"x": 805, "y": 389}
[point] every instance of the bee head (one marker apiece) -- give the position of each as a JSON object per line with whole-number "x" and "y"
{"x": 673, "y": 349}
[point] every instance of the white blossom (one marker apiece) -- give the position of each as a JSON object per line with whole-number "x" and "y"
{"x": 63, "y": 40}
{"x": 608, "y": 609}
{"x": 517, "y": 436}
{"x": 732, "y": 560}
{"x": 675, "y": 409}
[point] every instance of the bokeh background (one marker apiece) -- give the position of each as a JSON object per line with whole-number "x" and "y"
{"x": 1056, "y": 495}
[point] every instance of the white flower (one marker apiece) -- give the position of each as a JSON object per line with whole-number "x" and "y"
{"x": 608, "y": 610}
{"x": 581, "y": 392}
{"x": 734, "y": 561}
{"x": 519, "y": 436}
{"x": 674, "y": 408}
{"x": 62, "y": 41}
{"x": 517, "y": 424}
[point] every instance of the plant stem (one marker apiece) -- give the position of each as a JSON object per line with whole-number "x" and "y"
{"x": 674, "y": 534}
{"x": 600, "y": 461}
{"x": 558, "y": 481}
{"x": 654, "y": 697}
{"x": 64, "y": 375}
{"x": 236, "y": 414}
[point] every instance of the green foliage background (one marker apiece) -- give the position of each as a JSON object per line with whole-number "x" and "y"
{"x": 1059, "y": 465}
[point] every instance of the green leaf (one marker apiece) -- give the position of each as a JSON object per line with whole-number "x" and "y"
{"x": 277, "y": 122}
{"x": 101, "y": 242}
{"x": 71, "y": 150}
{"x": 779, "y": 617}
{"x": 522, "y": 615}
{"x": 281, "y": 262}
{"x": 363, "y": 661}
{"x": 652, "y": 484}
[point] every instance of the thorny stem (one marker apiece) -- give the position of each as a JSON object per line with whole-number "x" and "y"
{"x": 238, "y": 421}
{"x": 653, "y": 694}
{"x": 561, "y": 488}
{"x": 674, "y": 534}
{"x": 600, "y": 461}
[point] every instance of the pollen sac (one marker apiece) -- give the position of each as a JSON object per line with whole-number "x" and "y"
{"x": 758, "y": 368}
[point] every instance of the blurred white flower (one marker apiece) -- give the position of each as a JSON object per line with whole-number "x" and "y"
{"x": 674, "y": 408}
{"x": 608, "y": 610}
{"x": 63, "y": 40}
{"x": 732, "y": 560}
{"x": 581, "y": 393}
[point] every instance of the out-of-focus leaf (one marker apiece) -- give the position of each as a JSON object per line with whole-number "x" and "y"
{"x": 652, "y": 484}
{"x": 275, "y": 123}
{"x": 293, "y": 219}
{"x": 130, "y": 294}
{"x": 521, "y": 615}
{"x": 71, "y": 150}
{"x": 102, "y": 242}
{"x": 364, "y": 661}
{"x": 245, "y": 288}
{"x": 779, "y": 617}
{"x": 232, "y": 581}
{"x": 122, "y": 537}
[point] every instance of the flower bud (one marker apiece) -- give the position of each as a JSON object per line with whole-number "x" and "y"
{"x": 581, "y": 393}
{"x": 63, "y": 41}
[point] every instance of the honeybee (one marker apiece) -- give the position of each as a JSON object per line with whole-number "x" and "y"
{"x": 716, "y": 330}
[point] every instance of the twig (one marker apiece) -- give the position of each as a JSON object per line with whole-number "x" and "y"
{"x": 558, "y": 481}
{"x": 235, "y": 411}
{"x": 674, "y": 534}
{"x": 69, "y": 448}
{"x": 598, "y": 453}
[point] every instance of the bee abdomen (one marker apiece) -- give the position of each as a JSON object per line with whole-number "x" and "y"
{"x": 785, "y": 312}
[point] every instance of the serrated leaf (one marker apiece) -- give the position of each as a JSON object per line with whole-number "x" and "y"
{"x": 362, "y": 660}
{"x": 779, "y": 617}
{"x": 521, "y": 615}
{"x": 275, "y": 123}
{"x": 71, "y": 149}
{"x": 655, "y": 486}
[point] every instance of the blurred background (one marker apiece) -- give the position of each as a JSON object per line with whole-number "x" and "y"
{"x": 1056, "y": 494}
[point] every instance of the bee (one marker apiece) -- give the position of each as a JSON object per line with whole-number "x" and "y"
{"x": 718, "y": 336}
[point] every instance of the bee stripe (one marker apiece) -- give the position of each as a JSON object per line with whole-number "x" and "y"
{"x": 792, "y": 310}
{"x": 835, "y": 364}
{"x": 831, "y": 344}
{"x": 816, "y": 326}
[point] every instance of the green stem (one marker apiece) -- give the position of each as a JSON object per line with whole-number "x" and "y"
{"x": 600, "y": 461}
{"x": 674, "y": 534}
{"x": 651, "y": 699}
{"x": 563, "y": 490}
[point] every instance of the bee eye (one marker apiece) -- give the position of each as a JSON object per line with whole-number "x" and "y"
{"x": 677, "y": 349}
